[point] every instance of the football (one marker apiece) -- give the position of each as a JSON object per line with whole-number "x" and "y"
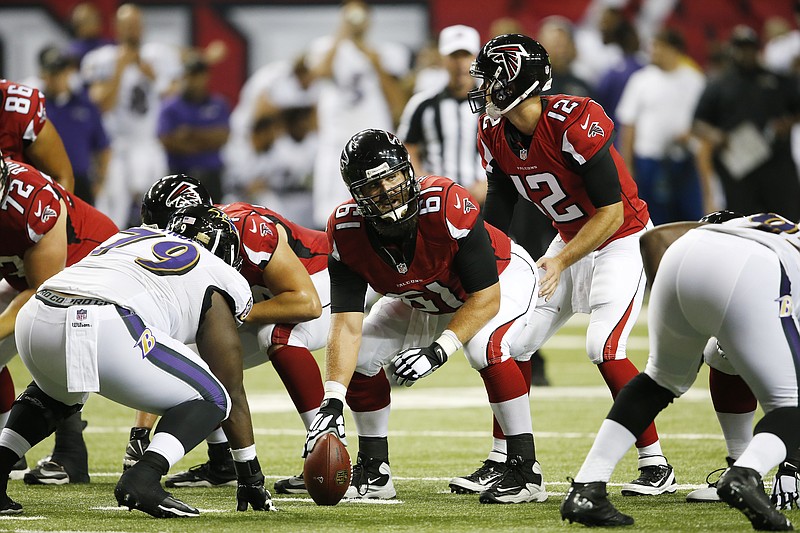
{"x": 326, "y": 470}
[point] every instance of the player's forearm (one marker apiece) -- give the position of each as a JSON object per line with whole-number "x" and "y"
{"x": 476, "y": 312}
{"x": 290, "y": 307}
{"x": 344, "y": 341}
{"x": 597, "y": 230}
{"x": 238, "y": 427}
{"x": 9, "y": 316}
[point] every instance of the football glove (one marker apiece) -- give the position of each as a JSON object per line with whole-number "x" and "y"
{"x": 415, "y": 363}
{"x": 250, "y": 487}
{"x": 784, "y": 488}
{"x": 329, "y": 419}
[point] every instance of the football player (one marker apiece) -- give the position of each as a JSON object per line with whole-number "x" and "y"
{"x": 745, "y": 301}
{"x": 447, "y": 280}
{"x": 44, "y": 228}
{"x": 556, "y": 151}
{"x": 27, "y": 136}
{"x": 287, "y": 268}
{"x": 160, "y": 290}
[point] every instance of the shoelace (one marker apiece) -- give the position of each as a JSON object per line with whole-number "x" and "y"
{"x": 360, "y": 477}
{"x": 718, "y": 471}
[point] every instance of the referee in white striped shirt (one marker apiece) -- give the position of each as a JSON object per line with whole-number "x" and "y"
{"x": 438, "y": 128}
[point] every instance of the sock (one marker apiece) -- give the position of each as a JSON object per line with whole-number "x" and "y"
{"x": 300, "y": 374}
{"x": 617, "y": 374}
{"x": 612, "y": 442}
{"x": 372, "y": 423}
{"x": 217, "y": 437}
{"x": 220, "y": 454}
{"x": 168, "y": 448}
{"x": 508, "y": 397}
{"x": 308, "y": 417}
{"x": 498, "y": 453}
{"x": 766, "y": 450}
{"x": 190, "y": 422}
{"x": 70, "y": 448}
{"x": 369, "y": 393}
{"x": 738, "y": 431}
{"x": 651, "y": 455}
{"x": 152, "y": 465}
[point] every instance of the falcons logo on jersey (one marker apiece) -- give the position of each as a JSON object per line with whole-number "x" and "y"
{"x": 184, "y": 195}
{"x": 509, "y": 56}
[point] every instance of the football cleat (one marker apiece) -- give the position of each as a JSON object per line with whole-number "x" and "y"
{"x": 588, "y": 504}
{"x": 136, "y": 492}
{"x": 19, "y": 469}
{"x": 291, "y": 485}
{"x": 480, "y": 480}
{"x": 47, "y": 473}
{"x": 784, "y": 487}
{"x": 9, "y": 506}
{"x": 138, "y": 443}
{"x": 743, "y": 489}
{"x": 652, "y": 480}
{"x": 371, "y": 480}
{"x": 708, "y": 494}
{"x": 520, "y": 483}
{"x": 208, "y": 474}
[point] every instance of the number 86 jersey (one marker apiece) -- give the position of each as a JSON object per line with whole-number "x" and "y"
{"x": 427, "y": 278}
{"x": 162, "y": 277}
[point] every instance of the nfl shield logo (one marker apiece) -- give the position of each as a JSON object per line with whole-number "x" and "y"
{"x": 81, "y": 314}
{"x": 402, "y": 268}
{"x": 523, "y": 153}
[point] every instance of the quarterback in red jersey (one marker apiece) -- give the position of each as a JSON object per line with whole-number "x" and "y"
{"x": 26, "y": 135}
{"x": 446, "y": 278}
{"x": 286, "y": 266}
{"x": 44, "y": 228}
{"x": 556, "y": 151}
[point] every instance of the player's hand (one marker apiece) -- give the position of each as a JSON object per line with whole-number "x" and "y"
{"x": 552, "y": 267}
{"x": 415, "y": 363}
{"x": 329, "y": 419}
{"x": 784, "y": 488}
{"x": 250, "y": 489}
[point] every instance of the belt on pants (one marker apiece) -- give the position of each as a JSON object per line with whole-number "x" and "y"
{"x": 63, "y": 300}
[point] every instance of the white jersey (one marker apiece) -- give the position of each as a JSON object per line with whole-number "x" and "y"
{"x": 135, "y": 114}
{"x": 162, "y": 277}
{"x": 780, "y": 235}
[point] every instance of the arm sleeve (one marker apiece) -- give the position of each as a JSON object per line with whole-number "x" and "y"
{"x": 475, "y": 262}
{"x": 501, "y": 198}
{"x": 348, "y": 289}
{"x": 601, "y": 179}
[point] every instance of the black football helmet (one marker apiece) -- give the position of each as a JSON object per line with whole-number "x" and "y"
{"x": 169, "y": 194}
{"x": 512, "y": 67}
{"x": 210, "y": 227}
{"x": 718, "y": 217}
{"x": 369, "y": 158}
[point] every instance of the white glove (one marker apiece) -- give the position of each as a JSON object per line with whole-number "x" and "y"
{"x": 329, "y": 419}
{"x": 784, "y": 488}
{"x": 415, "y": 363}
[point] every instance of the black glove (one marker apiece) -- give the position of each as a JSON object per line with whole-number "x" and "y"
{"x": 329, "y": 419}
{"x": 415, "y": 363}
{"x": 250, "y": 487}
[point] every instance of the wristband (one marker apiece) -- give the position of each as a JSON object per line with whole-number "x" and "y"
{"x": 248, "y": 471}
{"x": 334, "y": 389}
{"x": 449, "y": 342}
{"x": 244, "y": 454}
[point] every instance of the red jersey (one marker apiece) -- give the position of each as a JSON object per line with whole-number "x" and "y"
{"x": 31, "y": 209}
{"x": 447, "y": 213}
{"x": 571, "y": 131}
{"x": 256, "y": 225}
{"x": 22, "y": 117}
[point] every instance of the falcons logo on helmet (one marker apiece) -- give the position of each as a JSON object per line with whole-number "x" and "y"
{"x": 509, "y": 56}
{"x": 184, "y": 195}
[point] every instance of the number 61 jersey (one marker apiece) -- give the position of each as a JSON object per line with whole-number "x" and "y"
{"x": 427, "y": 280}
{"x": 547, "y": 171}
{"x": 164, "y": 278}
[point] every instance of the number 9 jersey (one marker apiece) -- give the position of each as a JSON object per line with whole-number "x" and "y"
{"x": 163, "y": 277}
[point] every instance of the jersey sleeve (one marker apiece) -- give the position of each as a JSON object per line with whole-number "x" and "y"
{"x": 42, "y": 213}
{"x": 460, "y": 211}
{"x": 259, "y": 240}
{"x": 588, "y": 135}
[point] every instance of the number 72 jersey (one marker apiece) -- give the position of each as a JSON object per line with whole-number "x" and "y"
{"x": 571, "y": 132}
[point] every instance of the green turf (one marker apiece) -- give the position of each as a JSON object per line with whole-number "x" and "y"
{"x": 427, "y": 446}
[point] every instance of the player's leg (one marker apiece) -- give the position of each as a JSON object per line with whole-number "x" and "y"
{"x": 491, "y": 352}
{"x": 388, "y": 324}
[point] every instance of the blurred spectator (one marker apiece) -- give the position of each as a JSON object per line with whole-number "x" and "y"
{"x": 429, "y": 72}
{"x": 360, "y": 87}
{"x": 86, "y": 26}
{"x": 598, "y": 50}
{"x": 556, "y": 35}
{"x": 193, "y": 126}
{"x": 77, "y": 120}
{"x": 744, "y": 118}
{"x": 655, "y": 119}
{"x": 609, "y": 88}
{"x": 127, "y": 82}
{"x": 782, "y": 49}
{"x": 438, "y": 128}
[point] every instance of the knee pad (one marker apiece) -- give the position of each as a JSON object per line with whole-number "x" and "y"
{"x": 51, "y": 409}
{"x": 639, "y": 402}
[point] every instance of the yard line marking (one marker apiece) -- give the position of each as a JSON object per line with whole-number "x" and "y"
{"x": 12, "y": 517}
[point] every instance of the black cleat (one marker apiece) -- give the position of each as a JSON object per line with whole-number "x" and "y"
{"x": 521, "y": 482}
{"x": 137, "y": 492}
{"x": 207, "y": 474}
{"x": 291, "y": 485}
{"x": 743, "y": 489}
{"x": 9, "y": 506}
{"x": 480, "y": 480}
{"x": 652, "y": 481}
{"x": 587, "y": 504}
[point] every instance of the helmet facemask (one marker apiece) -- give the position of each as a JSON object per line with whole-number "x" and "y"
{"x": 388, "y": 199}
